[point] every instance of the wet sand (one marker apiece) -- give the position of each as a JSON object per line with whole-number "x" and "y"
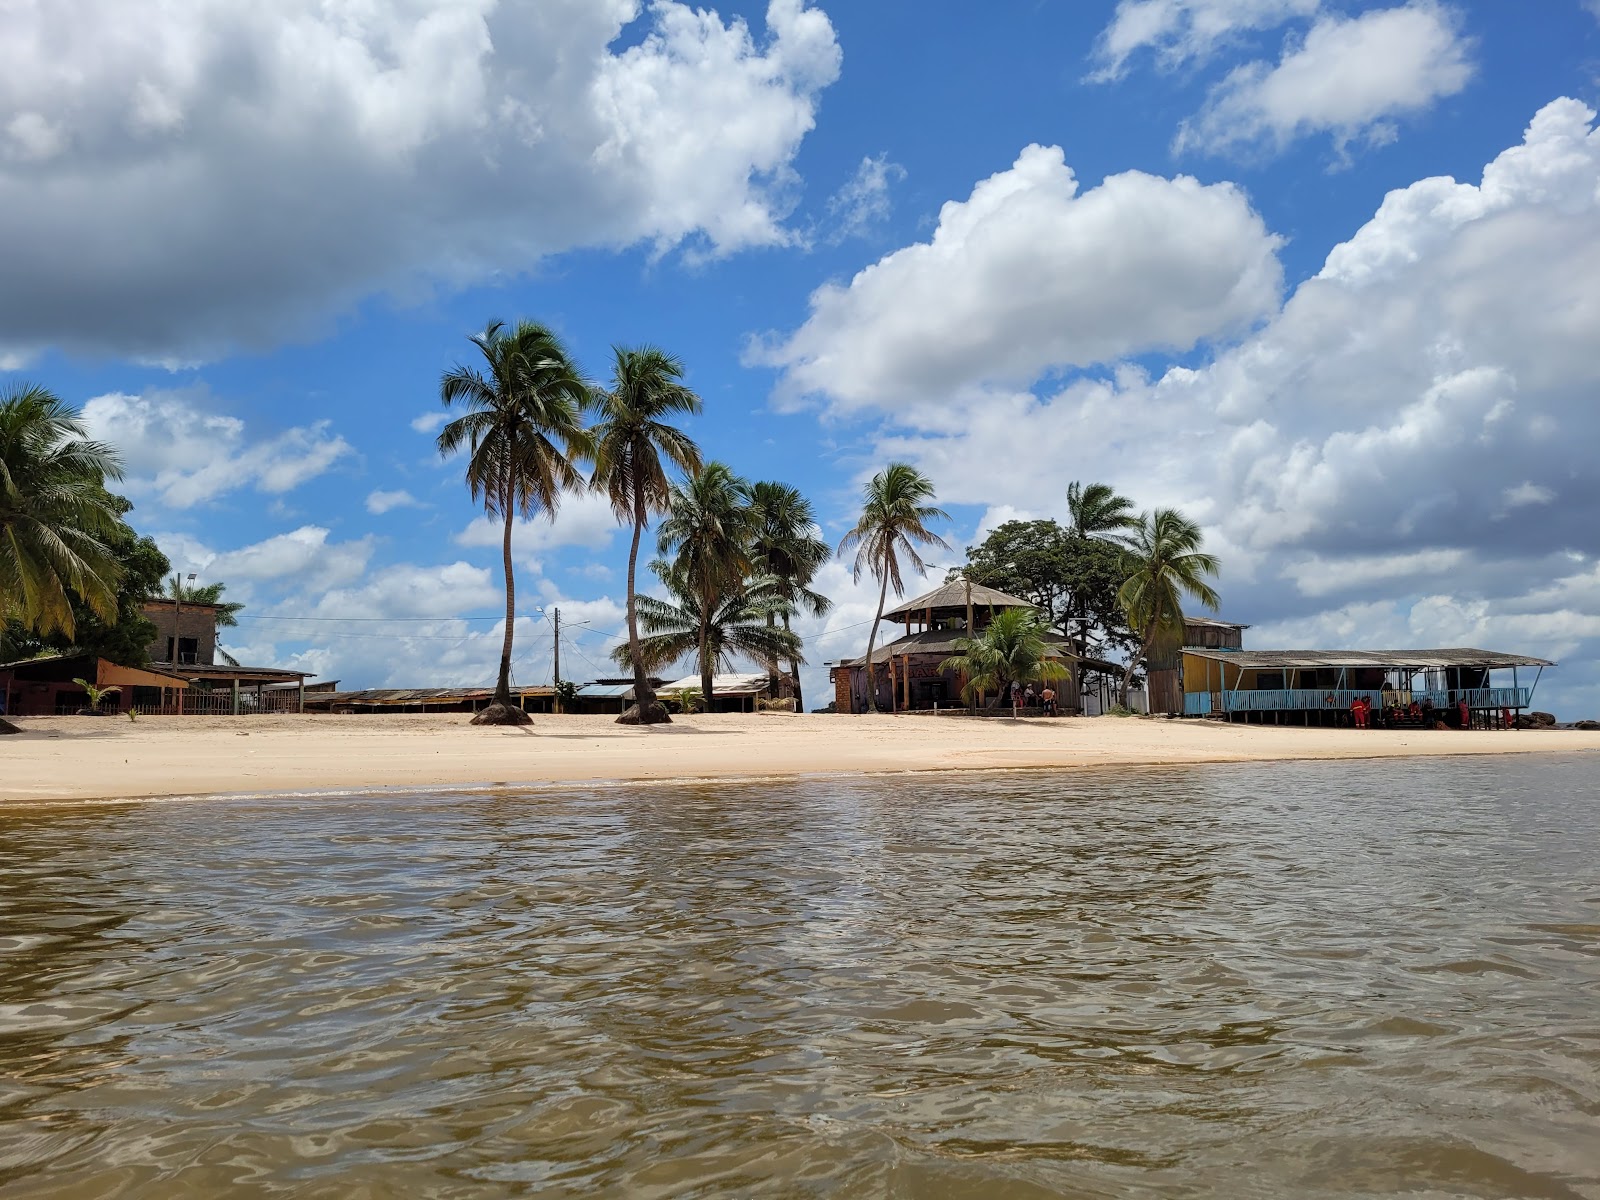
{"x": 81, "y": 758}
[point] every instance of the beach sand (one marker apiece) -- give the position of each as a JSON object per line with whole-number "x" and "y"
{"x": 82, "y": 758}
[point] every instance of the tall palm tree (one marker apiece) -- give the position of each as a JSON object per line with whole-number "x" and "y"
{"x": 1094, "y": 511}
{"x": 523, "y": 427}
{"x": 1014, "y": 645}
{"x": 1168, "y": 563}
{"x": 735, "y": 627}
{"x": 894, "y": 521}
{"x": 55, "y": 514}
{"x": 786, "y": 547}
{"x": 707, "y": 539}
{"x": 632, "y": 437}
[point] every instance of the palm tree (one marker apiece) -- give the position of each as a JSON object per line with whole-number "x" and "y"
{"x": 707, "y": 537}
{"x": 786, "y": 547}
{"x": 1167, "y": 563}
{"x": 55, "y": 514}
{"x": 736, "y": 626}
{"x": 632, "y": 437}
{"x": 893, "y": 522}
{"x": 1014, "y": 645}
{"x": 1095, "y": 511}
{"x": 523, "y": 427}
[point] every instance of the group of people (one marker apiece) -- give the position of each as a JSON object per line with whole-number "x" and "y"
{"x": 1394, "y": 715}
{"x": 1027, "y": 698}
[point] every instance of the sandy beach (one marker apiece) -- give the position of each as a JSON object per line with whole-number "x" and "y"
{"x": 76, "y": 758}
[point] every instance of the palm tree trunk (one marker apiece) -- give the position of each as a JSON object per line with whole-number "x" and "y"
{"x": 794, "y": 670}
{"x": 705, "y": 661}
{"x": 502, "y": 687}
{"x": 646, "y": 710}
{"x": 773, "y": 683}
{"x": 872, "y": 641}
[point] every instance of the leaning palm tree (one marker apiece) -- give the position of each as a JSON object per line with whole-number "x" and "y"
{"x": 523, "y": 428}
{"x": 55, "y": 514}
{"x": 735, "y": 627}
{"x": 707, "y": 538}
{"x": 1014, "y": 645}
{"x": 786, "y": 547}
{"x": 632, "y": 437}
{"x": 1167, "y": 564}
{"x": 893, "y": 523}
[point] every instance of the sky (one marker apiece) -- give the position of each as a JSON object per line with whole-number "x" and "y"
{"x": 1323, "y": 274}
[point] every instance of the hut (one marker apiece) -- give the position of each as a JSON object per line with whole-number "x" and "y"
{"x": 48, "y": 686}
{"x": 1164, "y": 673}
{"x": 909, "y": 671}
{"x": 424, "y": 700}
{"x": 732, "y": 692}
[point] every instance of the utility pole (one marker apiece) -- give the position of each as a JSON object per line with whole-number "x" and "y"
{"x": 558, "y": 660}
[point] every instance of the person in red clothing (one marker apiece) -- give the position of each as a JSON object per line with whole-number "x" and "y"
{"x": 1358, "y": 710}
{"x": 1466, "y": 715}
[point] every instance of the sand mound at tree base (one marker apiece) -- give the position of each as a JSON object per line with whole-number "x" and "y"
{"x": 501, "y": 714}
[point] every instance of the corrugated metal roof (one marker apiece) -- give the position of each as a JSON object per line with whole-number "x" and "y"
{"x": 404, "y": 696}
{"x": 1392, "y": 659}
{"x": 605, "y": 691}
{"x": 723, "y": 685}
{"x": 1213, "y": 623}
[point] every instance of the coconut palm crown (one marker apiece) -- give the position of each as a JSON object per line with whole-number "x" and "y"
{"x": 894, "y": 519}
{"x": 634, "y": 442}
{"x": 522, "y": 426}
{"x": 55, "y": 513}
{"x": 735, "y": 627}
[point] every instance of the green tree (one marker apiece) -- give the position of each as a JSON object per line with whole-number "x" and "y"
{"x": 734, "y": 627}
{"x": 1014, "y": 645}
{"x": 787, "y": 547}
{"x": 633, "y": 436}
{"x": 1167, "y": 564}
{"x": 523, "y": 428}
{"x": 125, "y": 638}
{"x": 706, "y": 539}
{"x": 1095, "y": 510}
{"x": 1099, "y": 524}
{"x": 55, "y": 515}
{"x": 895, "y": 512}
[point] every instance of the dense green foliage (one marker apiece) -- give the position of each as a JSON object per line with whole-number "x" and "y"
{"x": 735, "y": 626}
{"x": 55, "y": 515}
{"x": 1012, "y": 646}
{"x": 1073, "y": 581}
{"x": 123, "y": 638}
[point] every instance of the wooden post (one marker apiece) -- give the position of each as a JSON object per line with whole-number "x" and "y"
{"x": 894, "y": 690}
{"x": 300, "y": 697}
{"x": 236, "y": 697}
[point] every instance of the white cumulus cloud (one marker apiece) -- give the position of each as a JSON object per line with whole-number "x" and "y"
{"x": 380, "y": 502}
{"x": 1351, "y": 77}
{"x": 179, "y": 179}
{"x": 1029, "y": 273}
{"x": 1179, "y": 31}
{"x": 177, "y": 447}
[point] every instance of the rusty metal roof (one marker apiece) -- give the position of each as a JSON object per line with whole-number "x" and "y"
{"x": 1390, "y": 659}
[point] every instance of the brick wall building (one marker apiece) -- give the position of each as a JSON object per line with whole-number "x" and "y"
{"x": 186, "y": 637}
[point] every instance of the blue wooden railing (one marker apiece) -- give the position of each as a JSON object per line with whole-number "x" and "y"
{"x": 1201, "y": 704}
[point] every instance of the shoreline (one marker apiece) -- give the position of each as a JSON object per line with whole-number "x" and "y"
{"x": 59, "y": 760}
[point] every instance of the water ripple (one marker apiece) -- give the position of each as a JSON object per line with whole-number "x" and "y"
{"x": 1321, "y": 980}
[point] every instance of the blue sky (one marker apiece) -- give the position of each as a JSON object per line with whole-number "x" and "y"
{"x": 1146, "y": 242}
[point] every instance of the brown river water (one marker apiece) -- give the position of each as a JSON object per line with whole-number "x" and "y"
{"x": 1332, "y": 979}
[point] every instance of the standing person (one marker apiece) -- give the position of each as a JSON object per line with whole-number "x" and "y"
{"x": 1358, "y": 711}
{"x": 1466, "y": 715}
{"x": 1049, "y": 698}
{"x": 1028, "y": 698}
